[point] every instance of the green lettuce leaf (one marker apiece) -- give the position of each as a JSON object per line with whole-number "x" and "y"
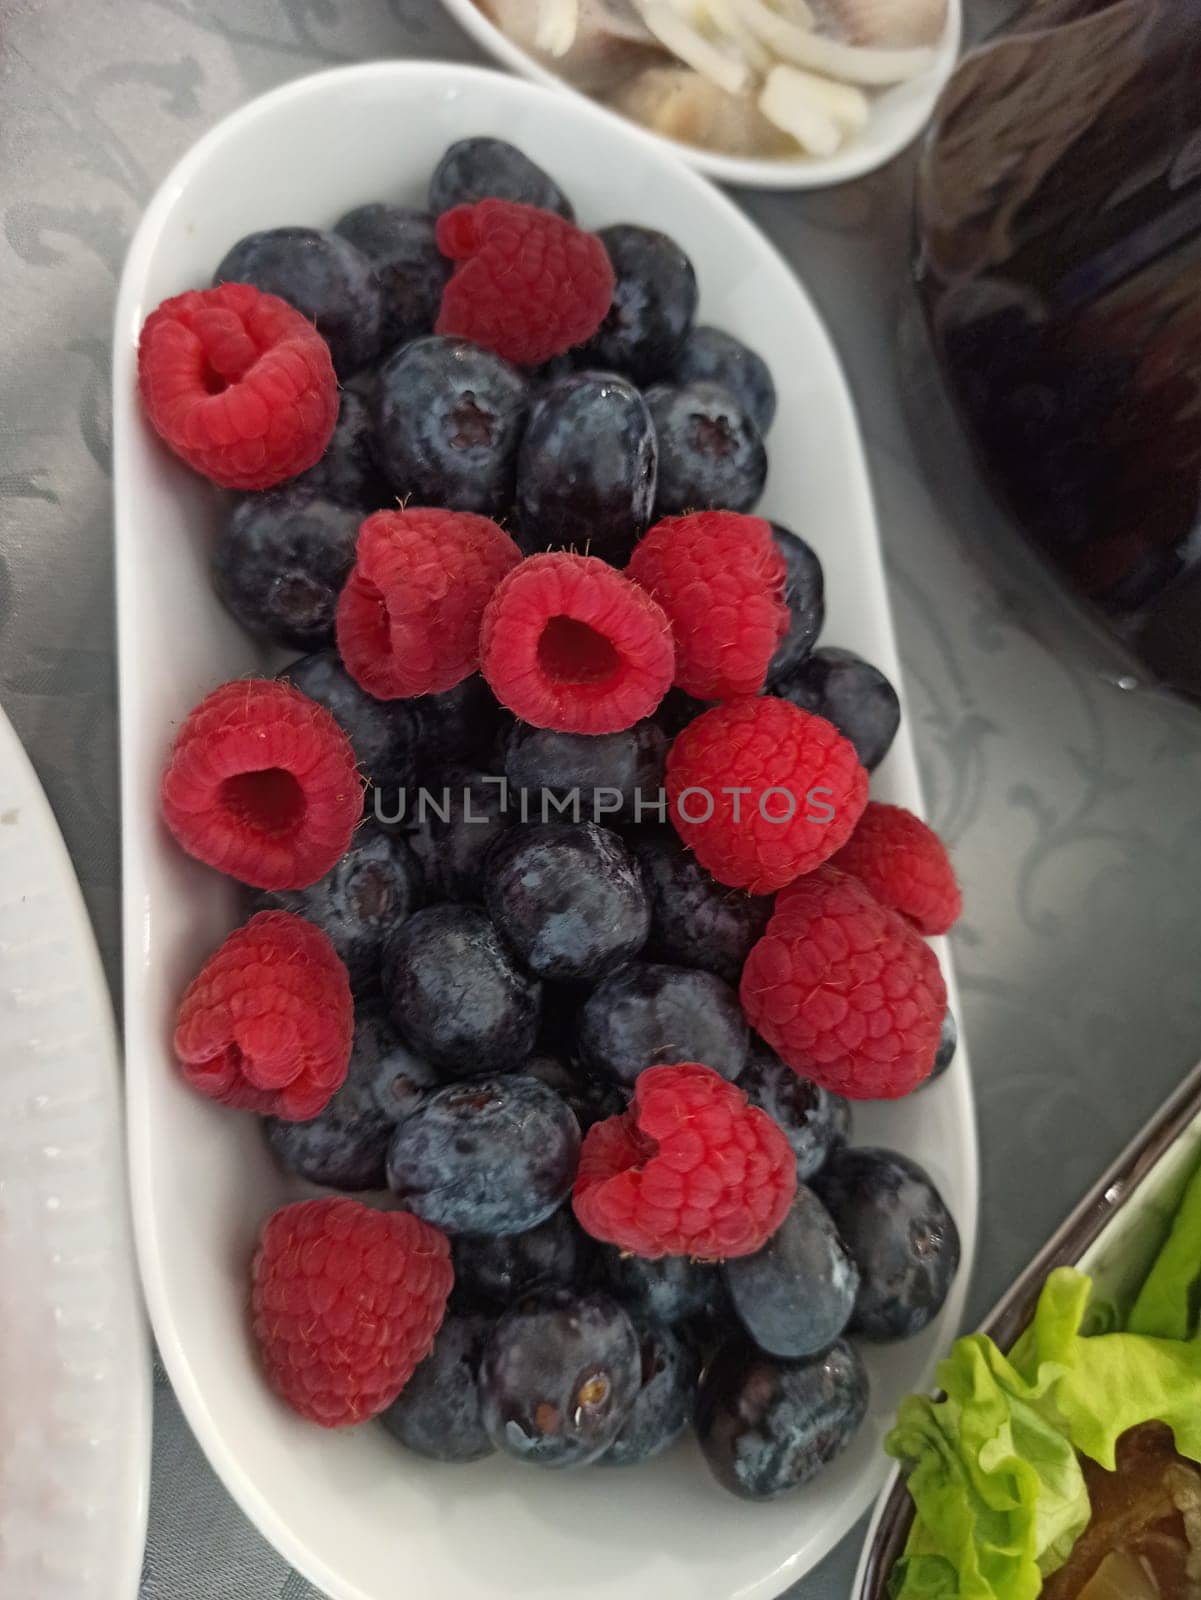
{"x": 1169, "y": 1302}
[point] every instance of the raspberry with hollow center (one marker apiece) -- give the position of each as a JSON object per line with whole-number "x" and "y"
{"x": 262, "y": 784}
{"x": 266, "y": 1024}
{"x": 720, "y": 578}
{"x": 763, "y": 792}
{"x": 845, "y": 990}
{"x": 409, "y": 615}
{"x": 570, "y": 644}
{"x": 905, "y": 865}
{"x": 346, "y": 1302}
{"x": 529, "y": 285}
{"x": 690, "y": 1170}
{"x": 238, "y": 384}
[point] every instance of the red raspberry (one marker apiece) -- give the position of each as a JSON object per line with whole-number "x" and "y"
{"x": 720, "y": 578}
{"x": 409, "y": 615}
{"x": 262, "y": 785}
{"x": 800, "y": 788}
{"x": 905, "y": 865}
{"x": 845, "y": 990}
{"x": 529, "y": 284}
{"x": 690, "y": 1170}
{"x": 266, "y": 1024}
{"x": 346, "y": 1301}
{"x": 570, "y": 644}
{"x": 237, "y": 383}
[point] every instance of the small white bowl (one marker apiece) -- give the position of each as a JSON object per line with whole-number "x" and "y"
{"x": 898, "y": 113}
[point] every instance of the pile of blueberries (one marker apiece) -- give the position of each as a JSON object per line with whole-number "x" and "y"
{"x": 513, "y": 975}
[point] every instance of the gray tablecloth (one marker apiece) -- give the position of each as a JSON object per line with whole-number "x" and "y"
{"x": 1074, "y": 808}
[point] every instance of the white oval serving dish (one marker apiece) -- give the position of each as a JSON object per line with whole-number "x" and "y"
{"x": 358, "y": 1517}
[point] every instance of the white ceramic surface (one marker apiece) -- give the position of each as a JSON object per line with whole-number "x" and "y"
{"x": 362, "y": 1520}
{"x": 74, "y": 1363}
{"x": 898, "y": 113}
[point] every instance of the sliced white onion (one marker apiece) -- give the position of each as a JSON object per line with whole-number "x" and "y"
{"x": 558, "y": 24}
{"x": 850, "y": 63}
{"x": 848, "y": 105}
{"x": 691, "y": 47}
{"x": 791, "y": 105}
{"x": 725, "y": 17}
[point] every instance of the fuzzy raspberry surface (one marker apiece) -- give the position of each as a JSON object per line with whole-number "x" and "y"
{"x": 266, "y": 1024}
{"x": 568, "y": 643}
{"x": 905, "y": 865}
{"x": 762, "y": 792}
{"x": 691, "y": 1170}
{"x": 529, "y": 285}
{"x": 720, "y": 578}
{"x": 261, "y": 784}
{"x": 409, "y": 615}
{"x": 345, "y": 1302}
{"x": 238, "y": 384}
{"x": 845, "y": 990}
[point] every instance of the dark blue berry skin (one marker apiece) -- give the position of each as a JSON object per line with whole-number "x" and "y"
{"x": 560, "y": 1375}
{"x": 494, "y": 1156}
{"x": 711, "y": 454}
{"x": 346, "y": 1145}
{"x": 662, "y": 1408}
{"x": 498, "y": 1271}
{"x": 654, "y": 304}
{"x": 281, "y": 561}
{"x": 796, "y": 1295}
{"x": 645, "y": 1014}
{"x": 813, "y": 1120}
{"x": 449, "y": 419}
{"x": 587, "y": 468}
{"x": 458, "y": 727}
{"x": 438, "y": 1414}
{"x": 568, "y": 897}
{"x": 767, "y": 1426}
{"x": 710, "y": 355}
{"x": 348, "y": 471}
{"x": 609, "y": 769}
{"x": 324, "y": 277}
{"x": 671, "y": 1290}
{"x": 948, "y": 1043}
{"x": 592, "y": 1099}
{"x": 849, "y": 692}
{"x": 696, "y": 921}
{"x": 376, "y": 885}
{"x": 410, "y": 269}
{"x": 385, "y": 734}
{"x": 676, "y": 710}
{"x": 904, "y": 1240}
{"x": 457, "y": 995}
{"x": 804, "y": 594}
{"x": 490, "y": 169}
{"x": 453, "y": 848}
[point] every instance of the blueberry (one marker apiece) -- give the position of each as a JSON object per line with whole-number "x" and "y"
{"x": 610, "y": 770}
{"x": 804, "y": 593}
{"x": 796, "y": 1295}
{"x": 374, "y": 887}
{"x": 384, "y": 733}
{"x": 676, "y": 710}
{"x": 496, "y": 1156}
{"x": 346, "y": 1145}
{"x": 587, "y": 468}
{"x": 592, "y": 1099}
{"x": 489, "y": 169}
{"x": 813, "y": 1120}
{"x": 438, "y": 1414}
{"x": 654, "y": 303}
{"x": 324, "y": 277}
{"x": 568, "y": 898}
{"x": 903, "y": 1239}
{"x": 348, "y": 471}
{"x": 696, "y": 921}
{"x": 281, "y": 561}
{"x": 501, "y": 1270}
{"x": 458, "y": 727}
{"x": 449, "y": 419}
{"x": 948, "y": 1043}
{"x": 457, "y": 995}
{"x": 645, "y": 1013}
{"x": 767, "y": 1426}
{"x": 454, "y": 826}
{"x": 710, "y": 355}
{"x": 559, "y": 1377}
{"x": 410, "y": 269}
{"x": 849, "y": 692}
{"x": 711, "y": 454}
{"x": 672, "y": 1289}
{"x": 662, "y": 1408}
